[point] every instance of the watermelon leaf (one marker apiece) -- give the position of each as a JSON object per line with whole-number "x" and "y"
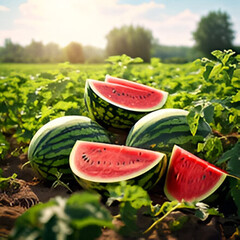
{"x": 133, "y": 200}
{"x": 232, "y": 159}
{"x": 79, "y": 216}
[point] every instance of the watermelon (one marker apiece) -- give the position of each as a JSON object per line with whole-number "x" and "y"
{"x": 162, "y": 129}
{"x": 98, "y": 165}
{"x": 190, "y": 178}
{"x": 118, "y": 103}
{"x": 50, "y": 147}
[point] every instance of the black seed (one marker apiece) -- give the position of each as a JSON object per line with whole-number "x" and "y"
{"x": 123, "y": 163}
{"x": 113, "y": 90}
{"x": 119, "y": 94}
{"x": 182, "y": 158}
{"x": 138, "y": 160}
{"x": 140, "y": 97}
{"x": 123, "y": 93}
{"x": 98, "y": 162}
{"x": 104, "y": 149}
{"x": 140, "y": 153}
{"x": 203, "y": 177}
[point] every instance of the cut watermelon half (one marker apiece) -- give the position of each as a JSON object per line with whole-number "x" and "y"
{"x": 129, "y": 95}
{"x": 109, "y": 163}
{"x": 190, "y": 178}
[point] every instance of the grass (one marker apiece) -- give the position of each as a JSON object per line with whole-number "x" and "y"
{"x": 7, "y": 68}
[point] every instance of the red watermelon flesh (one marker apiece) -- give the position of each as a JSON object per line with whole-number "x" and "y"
{"x": 128, "y": 83}
{"x": 100, "y": 162}
{"x": 190, "y": 178}
{"x": 129, "y": 95}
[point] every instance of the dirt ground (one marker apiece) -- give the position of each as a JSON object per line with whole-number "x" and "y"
{"x": 33, "y": 191}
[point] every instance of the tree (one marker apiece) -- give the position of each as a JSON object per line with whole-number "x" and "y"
{"x": 214, "y": 32}
{"x": 129, "y": 40}
{"x": 74, "y": 52}
{"x": 11, "y": 52}
{"x": 34, "y": 52}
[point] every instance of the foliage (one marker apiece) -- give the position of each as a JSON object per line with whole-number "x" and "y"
{"x": 134, "y": 200}
{"x": 130, "y": 40}
{"x": 214, "y": 31}
{"x": 81, "y": 216}
{"x": 209, "y": 89}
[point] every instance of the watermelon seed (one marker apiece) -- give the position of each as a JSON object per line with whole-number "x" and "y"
{"x": 138, "y": 160}
{"x": 104, "y": 149}
{"x": 123, "y": 163}
{"x": 140, "y": 153}
{"x": 123, "y": 93}
{"x": 98, "y": 162}
{"x": 113, "y": 90}
{"x": 140, "y": 97}
{"x": 203, "y": 177}
{"x": 118, "y": 163}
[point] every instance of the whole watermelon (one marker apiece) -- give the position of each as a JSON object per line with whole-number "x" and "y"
{"x": 162, "y": 129}
{"x": 50, "y": 147}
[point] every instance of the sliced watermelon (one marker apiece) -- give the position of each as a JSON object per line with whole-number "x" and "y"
{"x": 129, "y": 95}
{"x": 109, "y": 163}
{"x": 190, "y": 178}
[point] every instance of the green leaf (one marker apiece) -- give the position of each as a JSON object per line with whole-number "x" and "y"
{"x": 236, "y": 98}
{"x": 232, "y": 158}
{"x": 62, "y": 218}
{"x": 235, "y": 192}
{"x": 193, "y": 118}
{"x": 208, "y": 113}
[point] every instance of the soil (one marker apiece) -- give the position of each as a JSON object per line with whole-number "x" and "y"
{"x": 31, "y": 191}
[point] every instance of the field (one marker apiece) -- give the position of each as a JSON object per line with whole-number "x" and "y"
{"x": 33, "y": 94}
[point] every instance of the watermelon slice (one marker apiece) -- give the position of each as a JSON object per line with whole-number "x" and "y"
{"x": 190, "y": 178}
{"x": 117, "y": 104}
{"x": 129, "y": 95}
{"x": 109, "y": 163}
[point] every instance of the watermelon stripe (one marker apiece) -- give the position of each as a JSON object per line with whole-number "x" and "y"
{"x": 57, "y": 133}
{"x": 156, "y": 133}
{"x": 67, "y": 137}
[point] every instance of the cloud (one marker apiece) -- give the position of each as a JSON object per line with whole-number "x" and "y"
{"x": 88, "y": 22}
{"x": 4, "y": 9}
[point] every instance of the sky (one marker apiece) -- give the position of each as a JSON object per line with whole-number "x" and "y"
{"x": 88, "y": 22}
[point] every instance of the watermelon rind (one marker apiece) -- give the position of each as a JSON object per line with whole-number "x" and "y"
{"x": 109, "y": 114}
{"x": 196, "y": 198}
{"x": 51, "y": 146}
{"x": 146, "y": 178}
{"x": 162, "y": 129}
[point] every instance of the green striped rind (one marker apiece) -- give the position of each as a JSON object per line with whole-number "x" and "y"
{"x": 108, "y": 115}
{"x": 162, "y": 129}
{"x": 51, "y": 146}
{"x": 146, "y": 180}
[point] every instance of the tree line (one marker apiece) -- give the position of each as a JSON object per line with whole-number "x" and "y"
{"x": 213, "y": 31}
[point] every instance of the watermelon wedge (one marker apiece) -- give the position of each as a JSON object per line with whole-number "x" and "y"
{"x": 108, "y": 163}
{"x": 190, "y": 178}
{"x": 119, "y": 103}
